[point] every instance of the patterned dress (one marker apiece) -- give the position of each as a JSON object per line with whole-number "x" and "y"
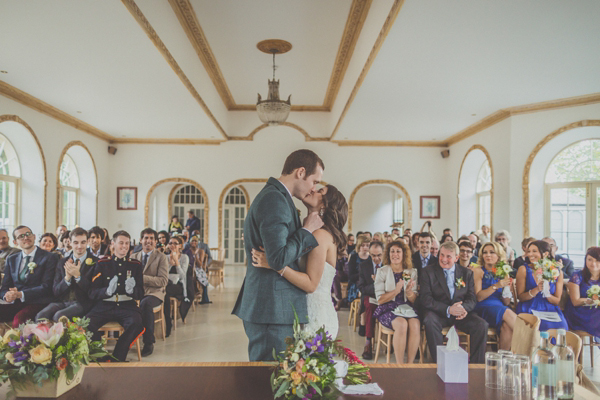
{"x": 491, "y": 309}
{"x": 583, "y": 318}
{"x": 385, "y": 312}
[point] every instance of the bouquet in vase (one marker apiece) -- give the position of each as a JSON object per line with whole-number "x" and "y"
{"x": 501, "y": 271}
{"x": 594, "y": 293}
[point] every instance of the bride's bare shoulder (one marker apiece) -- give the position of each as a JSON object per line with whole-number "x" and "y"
{"x": 323, "y": 236}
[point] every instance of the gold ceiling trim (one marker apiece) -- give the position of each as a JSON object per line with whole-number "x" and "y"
{"x": 390, "y": 143}
{"x": 60, "y": 160}
{"x": 167, "y": 141}
{"x": 259, "y": 128}
{"x": 533, "y": 154}
{"x": 407, "y": 223}
{"x": 34, "y": 103}
{"x": 158, "y": 43}
{"x": 489, "y": 159}
{"x": 17, "y": 119}
{"x": 189, "y": 21}
{"x": 385, "y": 30}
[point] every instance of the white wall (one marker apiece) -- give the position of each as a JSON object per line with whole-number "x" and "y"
{"x": 374, "y": 209}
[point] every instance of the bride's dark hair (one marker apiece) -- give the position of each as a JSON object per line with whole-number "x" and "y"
{"x": 335, "y": 216}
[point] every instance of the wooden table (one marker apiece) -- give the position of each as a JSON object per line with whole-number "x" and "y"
{"x": 209, "y": 381}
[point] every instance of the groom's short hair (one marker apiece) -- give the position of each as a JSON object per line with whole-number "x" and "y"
{"x": 302, "y": 158}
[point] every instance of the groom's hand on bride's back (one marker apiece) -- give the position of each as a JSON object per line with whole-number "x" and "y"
{"x": 312, "y": 222}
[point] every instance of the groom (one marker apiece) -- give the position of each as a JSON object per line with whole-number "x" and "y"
{"x": 267, "y": 301}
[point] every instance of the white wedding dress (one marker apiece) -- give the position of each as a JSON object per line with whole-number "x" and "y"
{"x": 320, "y": 307}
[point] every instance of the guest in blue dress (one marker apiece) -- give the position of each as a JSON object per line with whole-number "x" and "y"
{"x": 392, "y": 291}
{"x": 529, "y": 290}
{"x": 491, "y": 305}
{"x": 580, "y": 315}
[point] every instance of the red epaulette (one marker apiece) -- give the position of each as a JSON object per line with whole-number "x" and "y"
{"x": 103, "y": 259}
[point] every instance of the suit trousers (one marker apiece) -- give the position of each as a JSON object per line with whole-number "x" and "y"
{"x": 53, "y": 311}
{"x": 127, "y": 314}
{"x": 263, "y": 338}
{"x": 369, "y": 319}
{"x": 473, "y": 325}
{"x": 19, "y": 312}
{"x": 146, "y": 307}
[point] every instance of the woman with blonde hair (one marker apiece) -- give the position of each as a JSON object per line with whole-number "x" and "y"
{"x": 492, "y": 305}
{"x": 395, "y": 285}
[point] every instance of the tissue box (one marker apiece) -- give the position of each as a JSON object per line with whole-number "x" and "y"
{"x": 452, "y": 366}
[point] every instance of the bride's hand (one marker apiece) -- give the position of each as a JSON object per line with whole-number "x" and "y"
{"x": 259, "y": 259}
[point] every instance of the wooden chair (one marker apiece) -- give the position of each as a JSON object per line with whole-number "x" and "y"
{"x": 217, "y": 254}
{"x": 344, "y": 286}
{"x": 160, "y": 318}
{"x": 382, "y": 330}
{"x": 216, "y": 270}
{"x": 526, "y": 335}
{"x": 493, "y": 338}
{"x": 590, "y": 343}
{"x": 353, "y": 316}
{"x": 174, "y": 309}
{"x": 116, "y": 327}
{"x": 463, "y": 338}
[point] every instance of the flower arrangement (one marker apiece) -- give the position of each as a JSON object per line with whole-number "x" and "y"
{"x": 460, "y": 283}
{"x": 406, "y": 276}
{"x": 594, "y": 293}
{"x": 474, "y": 265}
{"x": 501, "y": 270}
{"x": 547, "y": 269}
{"x": 306, "y": 369}
{"x": 39, "y": 352}
{"x": 31, "y": 266}
{"x": 89, "y": 261}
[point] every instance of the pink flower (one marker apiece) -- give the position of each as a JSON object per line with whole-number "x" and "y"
{"x": 299, "y": 365}
{"x": 50, "y": 336}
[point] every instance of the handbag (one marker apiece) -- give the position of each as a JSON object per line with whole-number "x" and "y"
{"x": 201, "y": 276}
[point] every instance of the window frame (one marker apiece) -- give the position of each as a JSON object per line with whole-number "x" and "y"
{"x": 65, "y": 188}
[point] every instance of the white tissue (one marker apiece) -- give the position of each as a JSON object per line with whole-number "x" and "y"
{"x": 546, "y": 289}
{"x": 507, "y": 293}
{"x": 453, "y": 343}
{"x": 341, "y": 369}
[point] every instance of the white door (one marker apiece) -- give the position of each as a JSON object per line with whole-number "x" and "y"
{"x": 233, "y": 229}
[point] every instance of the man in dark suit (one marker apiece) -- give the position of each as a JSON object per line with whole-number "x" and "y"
{"x": 5, "y": 249}
{"x": 28, "y": 278}
{"x": 366, "y": 285}
{"x": 71, "y": 281}
{"x": 95, "y": 239}
{"x": 192, "y": 224}
{"x": 567, "y": 263}
{"x": 267, "y": 302}
{"x": 423, "y": 257}
{"x": 447, "y": 295}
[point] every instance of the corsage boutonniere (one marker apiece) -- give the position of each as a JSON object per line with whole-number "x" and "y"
{"x": 31, "y": 266}
{"x": 89, "y": 261}
{"x": 297, "y": 209}
{"x": 460, "y": 283}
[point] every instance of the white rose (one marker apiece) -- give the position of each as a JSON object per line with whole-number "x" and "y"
{"x": 295, "y": 357}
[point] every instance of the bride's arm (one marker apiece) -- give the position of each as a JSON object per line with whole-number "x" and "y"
{"x": 315, "y": 264}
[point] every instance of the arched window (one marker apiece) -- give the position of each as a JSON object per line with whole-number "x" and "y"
{"x": 573, "y": 199}
{"x": 234, "y": 214}
{"x": 10, "y": 173}
{"x": 484, "y": 198}
{"x": 189, "y": 198}
{"x": 69, "y": 196}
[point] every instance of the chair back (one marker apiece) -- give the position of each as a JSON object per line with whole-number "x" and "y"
{"x": 573, "y": 341}
{"x": 217, "y": 253}
{"x": 526, "y": 334}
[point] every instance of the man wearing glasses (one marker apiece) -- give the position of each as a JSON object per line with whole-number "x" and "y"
{"x": 28, "y": 278}
{"x": 465, "y": 253}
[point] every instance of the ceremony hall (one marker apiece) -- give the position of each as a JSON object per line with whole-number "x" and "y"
{"x": 420, "y": 152}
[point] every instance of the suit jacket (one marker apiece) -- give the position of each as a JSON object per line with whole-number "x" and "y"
{"x": 156, "y": 273}
{"x": 37, "y": 287}
{"x": 4, "y": 255}
{"x": 61, "y": 289}
{"x": 366, "y": 283}
{"x": 354, "y": 267}
{"x": 273, "y": 223}
{"x": 434, "y": 294}
{"x": 567, "y": 263}
{"x": 418, "y": 265}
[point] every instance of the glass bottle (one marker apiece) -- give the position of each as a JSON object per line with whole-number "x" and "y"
{"x": 543, "y": 371}
{"x": 565, "y": 362}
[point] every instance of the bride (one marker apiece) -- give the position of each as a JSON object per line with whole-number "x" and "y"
{"x": 320, "y": 263}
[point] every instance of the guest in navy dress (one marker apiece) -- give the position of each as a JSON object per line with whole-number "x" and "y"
{"x": 392, "y": 291}
{"x": 529, "y": 290}
{"x": 491, "y": 305}
{"x": 580, "y": 315}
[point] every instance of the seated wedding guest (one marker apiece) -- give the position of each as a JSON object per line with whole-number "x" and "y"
{"x": 175, "y": 225}
{"x": 163, "y": 241}
{"x": 95, "y": 245}
{"x": 492, "y": 306}
{"x": 201, "y": 246}
{"x": 366, "y": 285}
{"x": 484, "y": 236}
{"x": 414, "y": 243}
{"x": 177, "y": 285}
{"x": 446, "y": 238}
{"x": 28, "y": 278}
{"x": 476, "y": 245}
{"x": 360, "y": 255}
{"x": 49, "y": 242}
{"x": 116, "y": 283}
{"x": 197, "y": 256}
{"x": 5, "y": 249}
{"x": 503, "y": 237}
{"x": 423, "y": 257}
{"x": 465, "y": 254}
{"x": 448, "y": 232}
{"x": 60, "y": 230}
{"x": 368, "y": 235}
{"x": 395, "y": 231}
{"x": 580, "y": 314}
{"x": 530, "y": 287}
{"x": 192, "y": 224}
{"x": 377, "y": 237}
{"x": 435, "y": 247}
{"x": 64, "y": 243}
{"x": 521, "y": 260}
{"x": 407, "y": 240}
{"x": 71, "y": 281}
{"x": 341, "y": 276}
{"x": 393, "y": 289}
{"x": 156, "y": 275}
{"x": 447, "y": 297}
{"x": 567, "y": 263}
{"x": 408, "y": 232}
{"x": 351, "y": 244}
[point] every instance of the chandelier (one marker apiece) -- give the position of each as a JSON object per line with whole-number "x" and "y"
{"x": 273, "y": 111}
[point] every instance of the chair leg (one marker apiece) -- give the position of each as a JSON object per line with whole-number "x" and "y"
{"x": 378, "y": 346}
{"x": 163, "y": 324}
{"x": 592, "y": 351}
{"x": 350, "y": 315}
{"x": 139, "y": 352}
{"x": 389, "y": 349}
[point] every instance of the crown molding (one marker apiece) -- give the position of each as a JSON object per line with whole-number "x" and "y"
{"x": 166, "y": 141}
{"x": 390, "y": 143}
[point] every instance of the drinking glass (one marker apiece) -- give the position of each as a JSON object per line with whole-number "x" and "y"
{"x": 493, "y": 370}
{"x": 512, "y": 378}
{"x": 505, "y": 358}
{"x": 525, "y": 374}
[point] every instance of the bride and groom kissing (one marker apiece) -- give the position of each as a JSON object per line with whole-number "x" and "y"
{"x": 276, "y": 287}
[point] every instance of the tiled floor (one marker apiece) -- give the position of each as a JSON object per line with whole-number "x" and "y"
{"x": 211, "y": 333}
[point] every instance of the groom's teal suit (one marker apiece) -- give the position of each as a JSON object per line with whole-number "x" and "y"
{"x": 267, "y": 301}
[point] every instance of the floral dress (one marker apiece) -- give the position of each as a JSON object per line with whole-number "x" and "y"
{"x": 385, "y": 312}
{"x": 491, "y": 309}
{"x": 583, "y": 318}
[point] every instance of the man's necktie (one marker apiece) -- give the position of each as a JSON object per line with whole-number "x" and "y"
{"x": 449, "y": 282}
{"x": 23, "y": 274}
{"x": 144, "y": 260}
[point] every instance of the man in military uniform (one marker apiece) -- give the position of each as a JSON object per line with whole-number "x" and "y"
{"x": 117, "y": 282}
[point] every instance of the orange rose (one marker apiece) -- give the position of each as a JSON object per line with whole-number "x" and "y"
{"x": 61, "y": 364}
{"x": 296, "y": 378}
{"x": 311, "y": 377}
{"x": 595, "y": 297}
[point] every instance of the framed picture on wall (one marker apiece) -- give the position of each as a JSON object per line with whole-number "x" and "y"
{"x": 126, "y": 198}
{"x": 430, "y": 207}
